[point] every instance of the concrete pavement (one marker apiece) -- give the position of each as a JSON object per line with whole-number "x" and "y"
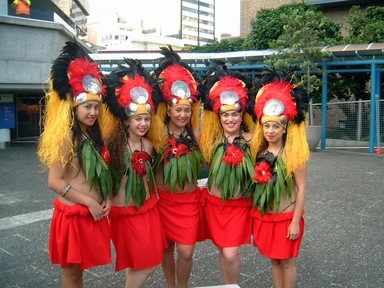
{"x": 343, "y": 244}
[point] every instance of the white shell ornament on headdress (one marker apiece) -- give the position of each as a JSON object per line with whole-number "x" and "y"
{"x": 181, "y": 89}
{"x": 81, "y": 98}
{"x": 92, "y": 85}
{"x": 229, "y": 98}
{"x": 139, "y": 95}
{"x": 273, "y": 107}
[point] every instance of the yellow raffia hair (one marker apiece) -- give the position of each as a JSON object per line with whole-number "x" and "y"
{"x": 247, "y": 118}
{"x": 195, "y": 121}
{"x": 157, "y": 132}
{"x": 55, "y": 142}
{"x": 296, "y": 148}
{"x": 107, "y": 121}
{"x": 257, "y": 141}
{"x": 211, "y": 134}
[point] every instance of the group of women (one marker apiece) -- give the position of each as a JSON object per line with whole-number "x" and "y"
{"x": 125, "y": 153}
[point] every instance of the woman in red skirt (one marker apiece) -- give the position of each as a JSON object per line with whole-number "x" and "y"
{"x": 136, "y": 229}
{"x": 225, "y": 145}
{"x": 79, "y": 235}
{"x": 281, "y": 151}
{"x": 178, "y": 164}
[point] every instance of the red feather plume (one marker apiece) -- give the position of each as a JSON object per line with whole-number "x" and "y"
{"x": 174, "y": 73}
{"x": 78, "y": 69}
{"x": 277, "y": 90}
{"x": 124, "y": 92}
{"x": 228, "y": 83}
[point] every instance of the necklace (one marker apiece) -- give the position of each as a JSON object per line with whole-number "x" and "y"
{"x": 278, "y": 153}
{"x": 184, "y": 132}
{"x": 141, "y": 146}
{"x": 84, "y": 135}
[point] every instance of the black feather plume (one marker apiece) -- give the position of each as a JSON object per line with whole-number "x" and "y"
{"x": 59, "y": 70}
{"x": 171, "y": 58}
{"x": 135, "y": 67}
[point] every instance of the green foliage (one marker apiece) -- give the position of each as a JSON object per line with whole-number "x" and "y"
{"x": 305, "y": 32}
{"x": 298, "y": 32}
{"x": 272, "y": 27}
{"x": 222, "y": 46}
{"x": 349, "y": 86}
{"x": 365, "y": 26}
{"x": 268, "y": 25}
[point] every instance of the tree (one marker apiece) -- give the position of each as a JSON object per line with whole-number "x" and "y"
{"x": 305, "y": 31}
{"x": 268, "y": 25}
{"x": 222, "y": 46}
{"x": 365, "y": 26}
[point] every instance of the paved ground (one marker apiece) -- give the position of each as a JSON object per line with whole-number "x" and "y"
{"x": 343, "y": 245}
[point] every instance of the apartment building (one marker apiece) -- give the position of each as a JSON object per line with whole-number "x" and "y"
{"x": 197, "y": 22}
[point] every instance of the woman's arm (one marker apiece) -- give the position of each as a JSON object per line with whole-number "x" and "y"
{"x": 300, "y": 178}
{"x": 57, "y": 184}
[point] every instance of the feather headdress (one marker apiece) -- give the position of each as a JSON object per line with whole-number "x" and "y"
{"x": 74, "y": 79}
{"x": 76, "y": 76}
{"x": 281, "y": 98}
{"x": 131, "y": 91}
{"x": 179, "y": 82}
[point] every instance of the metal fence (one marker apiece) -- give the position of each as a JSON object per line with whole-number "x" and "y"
{"x": 348, "y": 123}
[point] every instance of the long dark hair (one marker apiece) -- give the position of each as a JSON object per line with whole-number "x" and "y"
{"x": 116, "y": 145}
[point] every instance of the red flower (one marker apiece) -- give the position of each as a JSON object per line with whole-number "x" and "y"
{"x": 105, "y": 154}
{"x": 233, "y": 156}
{"x": 180, "y": 150}
{"x": 175, "y": 149}
{"x": 262, "y": 172}
{"x": 139, "y": 160}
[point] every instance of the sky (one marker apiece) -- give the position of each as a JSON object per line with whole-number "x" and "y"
{"x": 155, "y": 13}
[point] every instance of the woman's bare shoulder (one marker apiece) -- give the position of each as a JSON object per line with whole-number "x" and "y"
{"x": 148, "y": 146}
{"x": 247, "y": 136}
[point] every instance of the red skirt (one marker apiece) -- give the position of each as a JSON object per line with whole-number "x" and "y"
{"x": 180, "y": 215}
{"x": 270, "y": 235}
{"x": 137, "y": 235}
{"x": 229, "y": 223}
{"x": 75, "y": 238}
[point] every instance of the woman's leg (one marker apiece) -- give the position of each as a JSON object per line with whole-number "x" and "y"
{"x": 277, "y": 273}
{"x": 184, "y": 264}
{"x": 137, "y": 278}
{"x": 230, "y": 264}
{"x": 289, "y": 272}
{"x": 168, "y": 265}
{"x": 72, "y": 277}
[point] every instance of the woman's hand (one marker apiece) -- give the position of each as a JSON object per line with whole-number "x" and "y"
{"x": 106, "y": 204}
{"x": 293, "y": 231}
{"x": 96, "y": 209}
